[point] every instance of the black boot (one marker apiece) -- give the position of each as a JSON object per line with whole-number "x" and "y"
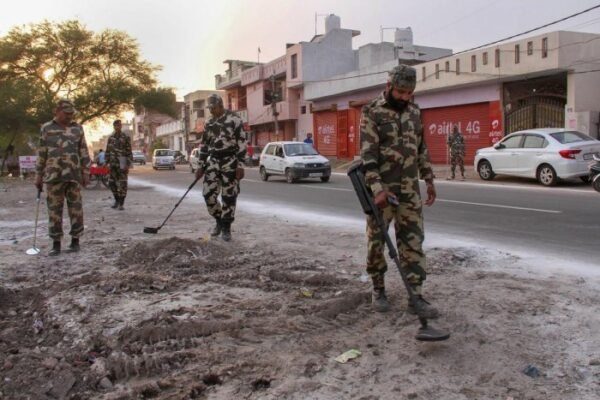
{"x": 218, "y": 227}
{"x": 226, "y": 231}
{"x": 379, "y": 300}
{"x": 422, "y": 308}
{"x": 74, "y": 246}
{"x": 116, "y": 203}
{"x": 55, "y": 249}
{"x": 121, "y": 202}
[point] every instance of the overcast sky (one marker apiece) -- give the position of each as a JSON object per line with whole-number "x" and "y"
{"x": 190, "y": 39}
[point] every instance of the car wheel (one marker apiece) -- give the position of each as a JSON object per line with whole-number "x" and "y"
{"x": 324, "y": 179}
{"x": 596, "y": 183}
{"x": 546, "y": 175}
{"x": 289, "y": 176}
{"x": 263, "y": 174}
{"x": 485, "y": 170}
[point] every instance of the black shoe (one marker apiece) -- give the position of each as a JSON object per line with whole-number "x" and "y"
{"x": 121, "y": 202}
{"x": 379, "y": 301}
{"x": 226, "y": 231}
{"x": 55, "y": 249}
{"x": 218, "y": 228}
{"x": 115, "y": 205}
{"x": 74, "y": 246}
{"x": 422, "y": 308}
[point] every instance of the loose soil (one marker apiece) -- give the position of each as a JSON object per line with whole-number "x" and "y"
{"x": 180, "y": 315}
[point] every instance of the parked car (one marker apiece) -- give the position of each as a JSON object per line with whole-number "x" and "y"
{"x": 163, "y": 158}
{"x": 546, "y": 154}
{"x": 139, "y": 157}
{"x": 294, "y": 160}
{"x": 252, "y": 155}
{"x": 178, "y": 156}
{"x": 194, "y": 160}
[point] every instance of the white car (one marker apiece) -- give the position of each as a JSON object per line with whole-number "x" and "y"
{"x": 163, "y": 158}
{"x": 546, "y": 154}
{"x": 294, "y": 160}
{"x": 194, "y": 160}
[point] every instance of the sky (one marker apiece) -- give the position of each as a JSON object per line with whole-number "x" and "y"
{"x": 190, "y": 39}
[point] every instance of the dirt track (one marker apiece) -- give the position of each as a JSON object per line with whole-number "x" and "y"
{"x": 178, "y": 315}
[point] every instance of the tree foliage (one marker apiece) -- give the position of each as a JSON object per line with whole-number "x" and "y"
{"x": 161, "y": 100}
{"x": 102, "y": 73}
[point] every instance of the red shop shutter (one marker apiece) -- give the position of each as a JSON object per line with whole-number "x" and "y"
{"x": 473, "y": 122}
{"x": 325, "y": 132}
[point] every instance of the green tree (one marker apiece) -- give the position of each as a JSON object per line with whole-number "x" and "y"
{"x": 161, "y": 100}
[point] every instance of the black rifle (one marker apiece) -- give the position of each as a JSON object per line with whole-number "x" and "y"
{"x": 365, "y": 197}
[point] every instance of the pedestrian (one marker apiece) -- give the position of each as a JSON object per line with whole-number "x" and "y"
{"x": 101, "y": 158}
{"x": 221, "y": 157}
{"x": 63, "y": 164}
{"x": 120, "y": 158}
{"x": 308, "y": 139}
{"x": 250, "y": 153}
{"x": 456, "y": 146}
{"x": 394, "y": 155}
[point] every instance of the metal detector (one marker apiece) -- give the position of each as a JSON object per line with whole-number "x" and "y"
{"x": 357, "y": 177}
{"x": 155, "y": 230}
{"x": 34, "y": 250}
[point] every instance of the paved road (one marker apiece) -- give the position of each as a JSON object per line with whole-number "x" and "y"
{"x": 521, "y": 215}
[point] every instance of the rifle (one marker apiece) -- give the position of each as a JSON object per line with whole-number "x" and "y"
{"x": 365, "y": 197}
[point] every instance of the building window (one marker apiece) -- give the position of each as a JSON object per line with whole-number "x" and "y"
{"x": 497, "y": 58}
{"x": 302, "y": 109}
{"x": 484, "y": 58}
{"x": 424, "y": 73}
{"x": 457, "y": 66}
{"x": 294, "y": 66}
{"x": 529, "y": 48}
{"x": 473, "y": 63}
{"x": 437, "y": 71}
{"x": 517, "y": 53}
{"x": 447, "y": 66}
{"x": 545, "y": 47}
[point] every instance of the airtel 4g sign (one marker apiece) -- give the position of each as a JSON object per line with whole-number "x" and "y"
{"x": 469, "y": 129}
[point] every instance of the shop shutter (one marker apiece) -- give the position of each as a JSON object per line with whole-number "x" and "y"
{"x": 473, "y": 121}
{"x": 325, "y": 132}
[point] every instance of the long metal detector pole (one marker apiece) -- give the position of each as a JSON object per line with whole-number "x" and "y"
{"x": 34, "y": 250}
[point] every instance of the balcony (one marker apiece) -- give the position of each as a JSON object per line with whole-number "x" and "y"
{"x": 287, "y": 110}
{"x": 228, "y": 80}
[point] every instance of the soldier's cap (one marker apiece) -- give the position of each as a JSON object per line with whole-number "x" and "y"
{"x": 403, "y": 76}
{"x": 116, "y": 122}
{"x": 214, "y": 100}
{"x": 66, "y": 106}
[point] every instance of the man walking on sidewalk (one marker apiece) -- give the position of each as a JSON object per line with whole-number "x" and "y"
{"x": 120, "y": 158}
{"x": 456, "y": 146}
{"x": 63, "y": 162}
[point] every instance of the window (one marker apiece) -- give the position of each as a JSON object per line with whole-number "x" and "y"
{"x": 302, "y": 109}
{"x": 424, "y": 73}
{"x": 497, "y": 58}
{"x": 545, "y": 47}
{"x": 447, "y": 66}
{"x": 457, "y": 66}
{"x": 529, "y": 48}
{"x": 473, "y": 63}
{"x": 294, "y": 66}
{"x": 437, "y": 71}
{"x": 534, "y": 142}
{"x": 484, "y": 58}
{"x": 271, "y": 150}
{"x": 517, "y": 53}
{"x": 513, "y": 142}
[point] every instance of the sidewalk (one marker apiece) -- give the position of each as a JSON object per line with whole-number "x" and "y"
{"x": 441, "y": 171}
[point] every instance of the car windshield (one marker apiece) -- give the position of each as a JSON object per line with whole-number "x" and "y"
{"x": 571, "y": 137}
{"x": 162, "y": 153}
{"x": 299, "y": 149}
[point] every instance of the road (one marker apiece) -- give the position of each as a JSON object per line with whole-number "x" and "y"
{"x": 560, "y": 221}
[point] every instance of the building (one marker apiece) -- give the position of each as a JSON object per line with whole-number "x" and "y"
{"x": 144, "y": 125}
{"x": 195, "y": 113}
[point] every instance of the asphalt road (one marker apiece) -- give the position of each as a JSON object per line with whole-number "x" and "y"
{"x": 562, "y": 221}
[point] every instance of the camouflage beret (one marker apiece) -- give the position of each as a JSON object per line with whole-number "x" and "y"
{"x": 65, "y": 105}
{"x": 214, "y": 100}
{"x": 403, "y": 76}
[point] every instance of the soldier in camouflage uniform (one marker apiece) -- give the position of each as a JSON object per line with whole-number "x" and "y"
{"x": 63, "y": 162}
{"x": 119, "y": 158}
{"x": 221, "y": 156}
{"x": 456, "y": 145}
{"x": 394, "y": 155}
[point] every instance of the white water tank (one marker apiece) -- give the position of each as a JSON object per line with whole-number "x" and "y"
{"x": 332, "y": 21}
{"x": 403, "y": 37}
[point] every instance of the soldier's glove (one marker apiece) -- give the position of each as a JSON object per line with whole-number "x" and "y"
{"x": 39, "y": 184}
{"x": 239, "y": 173}
{"x": 381, "y": 199}
{"x": 199, "y": 173}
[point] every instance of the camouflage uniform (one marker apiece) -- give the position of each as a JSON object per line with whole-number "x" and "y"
{"x": 456, "y": 144}
{"x": 222, "y": 150}
{"x": 118, "y": 145}
{"x": 394, "y": 154}
{"x": 61, "y": 159}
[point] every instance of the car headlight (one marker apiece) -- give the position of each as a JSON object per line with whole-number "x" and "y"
{"x": 326, "y": 163}
{"x": 298, "y": 165}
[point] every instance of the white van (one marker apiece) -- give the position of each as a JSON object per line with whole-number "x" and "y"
{"x": 294, "y": 160}
{"x": 163, "y": 158}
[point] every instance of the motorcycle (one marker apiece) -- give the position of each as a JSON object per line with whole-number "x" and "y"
{"x": 595, "y": 173}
